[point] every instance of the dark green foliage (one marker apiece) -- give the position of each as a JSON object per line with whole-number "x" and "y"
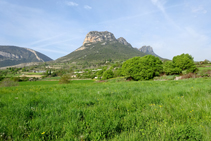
{"x": 184, "y": 62}
{"x": 142, "y": 68}
{"x": 108, "y": 74}
{"x": 1, "y": 77}
{"x": 169, "y": 69}
{"x": 65, "y": 79}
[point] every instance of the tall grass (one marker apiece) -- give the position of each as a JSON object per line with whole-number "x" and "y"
{"x": 148, "y": 110}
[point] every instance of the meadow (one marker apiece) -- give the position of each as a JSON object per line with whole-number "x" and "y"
{"x": 88, "y": 110}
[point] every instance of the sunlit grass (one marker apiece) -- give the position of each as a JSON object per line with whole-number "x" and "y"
{"x": 145, "y": 110}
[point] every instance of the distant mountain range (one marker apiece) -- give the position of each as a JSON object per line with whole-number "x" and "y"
{"x": 13, "y": 55}
{"x": 99, "y": 46}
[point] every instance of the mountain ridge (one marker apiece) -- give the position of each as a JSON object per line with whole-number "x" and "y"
{"x": 98, "y": 46}
{"x": 14, "y": 55}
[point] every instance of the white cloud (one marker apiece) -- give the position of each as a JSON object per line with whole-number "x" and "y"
{"x": 87, "y": 7}
{"x": 70, "y": 3}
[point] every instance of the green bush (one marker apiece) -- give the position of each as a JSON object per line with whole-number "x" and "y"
{"x": 142, "y": 68}
{"x": 108, "y": 74}
{"x": 184, "y": 62}
{"x": 8, "y": 83}
{"x": 169, "y": 68}
{"x": 65, "y": 79}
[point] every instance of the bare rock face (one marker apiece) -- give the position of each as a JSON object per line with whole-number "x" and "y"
{"x": 148, "y": 50}
{"x": 123, "y": 41}
{"x": 95, "y": 36}
{"x": 10, "y": 55}
{"x": 105, "y": 37}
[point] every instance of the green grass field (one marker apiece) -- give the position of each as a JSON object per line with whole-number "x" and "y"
{"x": 88, "y": 110}
{"x": 204, "y": 68}
{"x": 32, "y": 83}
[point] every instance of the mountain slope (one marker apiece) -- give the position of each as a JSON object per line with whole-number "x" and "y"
{"x": 12, "y": 55}
{"x": 99, "y": 46}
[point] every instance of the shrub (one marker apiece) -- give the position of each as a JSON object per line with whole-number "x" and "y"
{"x": 8, "y": 83}
{"x": 142, "y": 68}
{"x": 108, "y": 74}
{"x": 65, "y": 79}
{"x": 184, "y": 62}
{"x": 169, "y": 68}
{"x": 1, "y": 78}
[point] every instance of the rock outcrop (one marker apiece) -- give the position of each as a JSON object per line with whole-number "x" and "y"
{"x": 10, "y": 55}
{"x": 123, "y": 41}
{"x": 104, "y": 37}
{"x": 148, "y": 50}
{"x": 95, "y": 36}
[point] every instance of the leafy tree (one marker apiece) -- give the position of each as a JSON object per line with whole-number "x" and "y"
{"x": 184, "y": 62}
{"x": 142, "y": 68}
{"x": 118, "y": 72}
{"x": 65, "y": 79}
{"x": 169, "y": 68}
{"x": 100, "y": 73}
{"x": 108, "y": 74}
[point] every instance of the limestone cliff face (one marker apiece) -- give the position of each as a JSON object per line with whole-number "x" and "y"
{"x": 123, "y": 41}
{"x": 95, "y": 36}
{"x": 10, "y": 55}
{"x": 105, "y": 37}
{"x": 148, "y": 50}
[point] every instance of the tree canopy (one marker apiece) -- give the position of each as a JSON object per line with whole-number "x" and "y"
{"x": 142, "y": 68}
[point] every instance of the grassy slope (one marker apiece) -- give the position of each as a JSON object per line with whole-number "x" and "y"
{"x": 148, "y": 110}
{"x": 99, "y": 52}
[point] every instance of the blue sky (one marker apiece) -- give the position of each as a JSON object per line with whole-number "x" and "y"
{"x": 58, "y": 27}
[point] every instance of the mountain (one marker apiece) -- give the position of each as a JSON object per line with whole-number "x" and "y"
{"x": 99, "y": 46}
{"x": 13, "y": 55}
{"x": 148, "y": 50}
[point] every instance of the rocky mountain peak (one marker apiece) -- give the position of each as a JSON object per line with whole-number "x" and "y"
{"x": 123, "y": 41}
{"x": 148, "y": 50}
{"x": 95, "y": 36}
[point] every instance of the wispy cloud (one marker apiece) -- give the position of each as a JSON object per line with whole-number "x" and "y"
{"x": 199, "y": 9}
{"x": 160, "y": 5}
{"x": 87, "y": 7}
{"x": 70, "y": 3}
{"x": 46, "y": 39}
